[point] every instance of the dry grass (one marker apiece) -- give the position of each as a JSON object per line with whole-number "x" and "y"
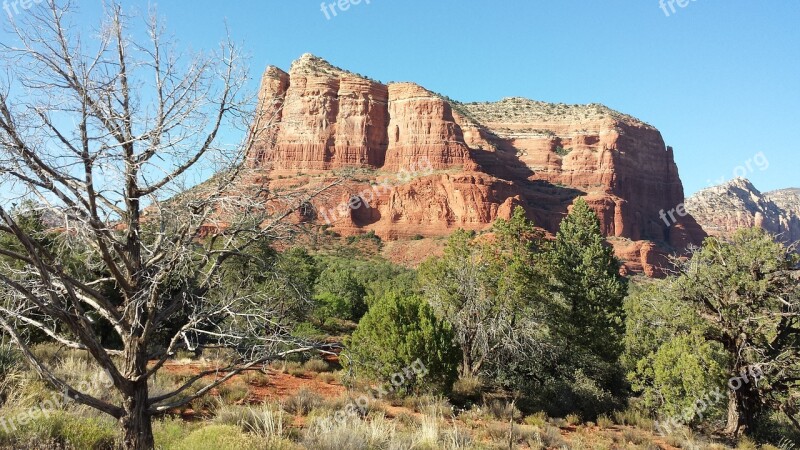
{"x": 317, "y": 365}
{"x": 301, "y": 403}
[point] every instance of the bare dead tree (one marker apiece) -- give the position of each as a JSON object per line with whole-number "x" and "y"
{"x": 103, "y": 136}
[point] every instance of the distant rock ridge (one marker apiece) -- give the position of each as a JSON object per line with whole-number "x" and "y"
{"x": 723, "y": 209}
{"x": 481, "y": 160}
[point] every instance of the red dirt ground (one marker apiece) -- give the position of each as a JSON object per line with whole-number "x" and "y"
{"x": 276, "y": 386}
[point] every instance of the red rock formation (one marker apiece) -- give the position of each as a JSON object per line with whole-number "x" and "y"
{"x": 423, "y": 164}
{"x": 738, "y": 204}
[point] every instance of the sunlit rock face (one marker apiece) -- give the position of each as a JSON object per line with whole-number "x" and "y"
{"x": 425, "y": 165}
{"x": 723, "y": 209}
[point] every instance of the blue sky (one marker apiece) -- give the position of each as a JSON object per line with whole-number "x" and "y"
{"x": 721, "y": 80}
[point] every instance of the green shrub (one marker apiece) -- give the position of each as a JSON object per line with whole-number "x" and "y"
{"x": 396, "y": 332}
{"x": 467, "y": 389}
{"x": 169, "y": 432}
{"x": 561, "y": 151}
{"x": 64, "y": 429}
{"x": 306, "y": 330}
{"x": 538, "y": 419}
{"x": 216, "y": 437}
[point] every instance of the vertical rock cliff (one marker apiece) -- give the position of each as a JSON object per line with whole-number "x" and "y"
{"x": 418, "y": 163}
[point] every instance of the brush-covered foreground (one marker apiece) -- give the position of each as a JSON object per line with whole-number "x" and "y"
{"x": 294, "y": 405}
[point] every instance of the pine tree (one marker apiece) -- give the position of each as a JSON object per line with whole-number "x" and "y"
{"x": 585, "y": 273}
{"x": 396, "y": 332}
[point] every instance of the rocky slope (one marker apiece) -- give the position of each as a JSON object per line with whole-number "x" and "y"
{"x": 418, "y": 163}
{"x": 736, "y": 204}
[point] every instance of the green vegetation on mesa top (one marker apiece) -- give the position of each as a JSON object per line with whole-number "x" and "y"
{"x": 523, "y": 109}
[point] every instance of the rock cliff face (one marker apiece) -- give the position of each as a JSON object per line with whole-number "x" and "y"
{"x": 418, "y": 163}
{"x": 737, "y": 204}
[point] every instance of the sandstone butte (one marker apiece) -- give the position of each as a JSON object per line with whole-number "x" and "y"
{"x": 425, "y": 165}
{"x": 723, "y": 209}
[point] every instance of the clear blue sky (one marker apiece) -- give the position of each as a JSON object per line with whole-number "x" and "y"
{"x": 721, "y": 80}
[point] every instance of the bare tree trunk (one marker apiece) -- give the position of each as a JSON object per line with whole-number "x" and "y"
{"x": 732, "y": 424}
{"x": 136, "y": 424}
{"x": 743, "y": 404}
{"x": 99, "y": 157}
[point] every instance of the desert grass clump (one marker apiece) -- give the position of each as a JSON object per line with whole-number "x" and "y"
{"x": 434, "y": 406}
{"x": 233, "y": 391}
{"x": 635, "y": 418}
{"x": 538, "y": 419}
{"x": 302, "y": 402}
{"x": 456, "y": 439}
{"x": 635, "y": 437}
{"x": 265, "y": 421}
{"x": 351, "y": 433}
{"x": 290, "y": 367}
{"x": 603, "y": 421}
{"x": 255, "y": 378}
{"x": 326, "y": 377}
{"x": 551, "y": 437}
{"x": 429, "y": 432}
{"x": 48, "y": 352}
{"x": 363, "y": 405}
{"x": 502, "y": 409}
{"x": 681, "y": 437}
{"x": 746, "y": 443}
{"x": 317, "y": 365}
{"x": 573, "y": 419}
{"x": 558, "y": 422}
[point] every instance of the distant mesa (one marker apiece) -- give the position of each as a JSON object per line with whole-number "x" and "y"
{"x": 483, "y": 160}
{"x": 723, "y": 209}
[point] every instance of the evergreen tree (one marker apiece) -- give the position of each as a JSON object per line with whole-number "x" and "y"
{"x": 585, "y": 272}
{"x": 396, "y": 332}
{"x": 727, "y": 322}
{"x": 487, "y": 287}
